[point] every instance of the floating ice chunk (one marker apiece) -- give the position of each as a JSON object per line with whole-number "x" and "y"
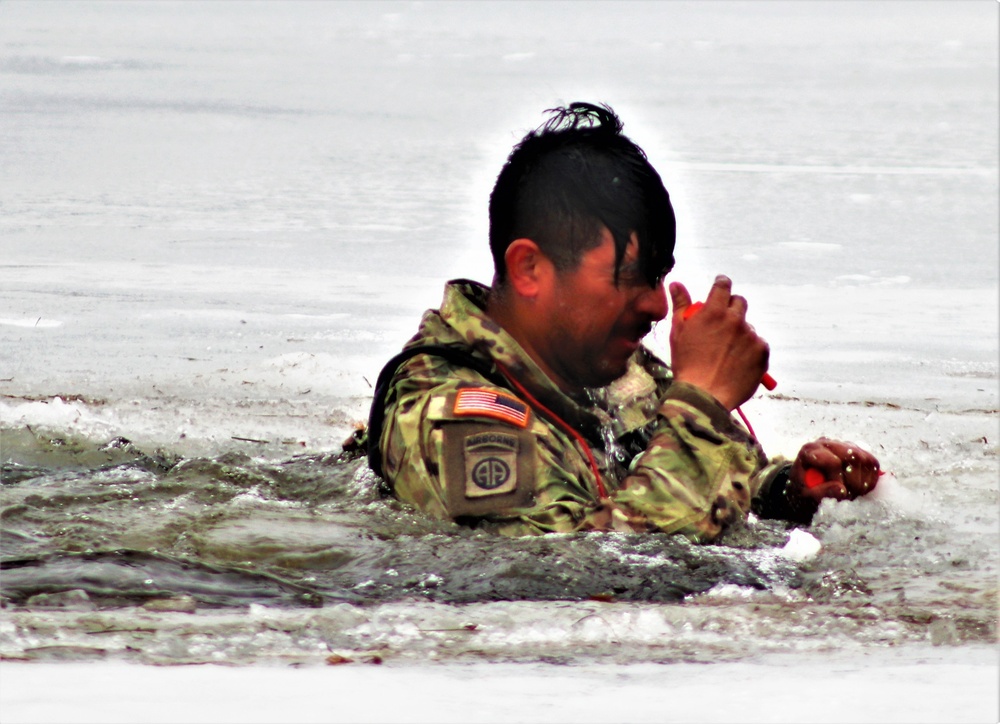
{"x": 891, "y": 493}
{"x": 730, "y": 591}
{"x": 801, "y": 545}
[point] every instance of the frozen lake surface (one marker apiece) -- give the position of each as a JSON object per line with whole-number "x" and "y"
{"x": 220, "y": 219}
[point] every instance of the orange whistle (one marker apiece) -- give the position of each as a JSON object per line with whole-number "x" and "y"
{"x": 813, "y": 478}
{"x": 769, "y": 382}
{"x": 695, "y": 306}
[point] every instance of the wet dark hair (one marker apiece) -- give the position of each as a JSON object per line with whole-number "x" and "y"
{"x": 573, "y": 175}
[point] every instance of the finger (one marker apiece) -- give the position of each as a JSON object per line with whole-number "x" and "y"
{"x": 873, "y": 468}
{"x": 720, "y": 292}
{"x": 867, "y": 460}
{"x": 831, "y": 489}
{"x": 846, "y": 451}
{"x": 861, "y": 474}
{"x": 679, "y": 298}
{"x": 815, "y": 488}
{"x": 855, "y": 478}
{"x": 865, "y": 485}
{"x": 822, "y": 459}
{"x": 860, "y": 467}
{"x": 739, "y": 305}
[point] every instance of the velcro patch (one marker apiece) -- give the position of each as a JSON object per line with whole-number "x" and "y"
{"x": 490, "y": 464}
{"x": 486, "y": 402}
{"x": 487, "y": 468}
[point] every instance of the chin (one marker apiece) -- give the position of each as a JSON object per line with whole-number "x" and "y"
{"x": 607, "y": 373}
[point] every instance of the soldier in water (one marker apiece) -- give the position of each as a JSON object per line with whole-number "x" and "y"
{"x": 531, "y": 406}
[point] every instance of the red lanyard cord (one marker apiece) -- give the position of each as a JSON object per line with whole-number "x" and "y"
{"x": 747, "y": 423}
{"x": 601, "y": 491}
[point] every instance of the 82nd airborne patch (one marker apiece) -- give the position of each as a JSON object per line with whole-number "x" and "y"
{"x": 490, "y": 464}
{"x": 486, "y": 468}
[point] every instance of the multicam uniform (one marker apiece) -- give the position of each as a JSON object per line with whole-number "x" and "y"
{"x": 523, "y": 457}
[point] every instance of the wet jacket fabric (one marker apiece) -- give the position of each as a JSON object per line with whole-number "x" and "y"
{"x": 504, "y": 448}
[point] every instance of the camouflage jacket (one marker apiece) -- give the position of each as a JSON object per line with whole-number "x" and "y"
{"x": 459, "y": 444}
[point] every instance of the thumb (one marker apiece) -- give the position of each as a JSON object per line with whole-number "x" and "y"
{"x": 679, "y": 299}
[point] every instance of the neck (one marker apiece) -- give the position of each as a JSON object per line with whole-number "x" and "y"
{"x": 518, "y": 318}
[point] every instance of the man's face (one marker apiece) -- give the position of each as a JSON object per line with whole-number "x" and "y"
{"x": 595, "y": 325}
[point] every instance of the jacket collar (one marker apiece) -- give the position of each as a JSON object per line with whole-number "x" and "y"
{"x": 464, "y": 312}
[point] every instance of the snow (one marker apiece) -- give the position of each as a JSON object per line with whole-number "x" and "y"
{"x": 941, "y": 685}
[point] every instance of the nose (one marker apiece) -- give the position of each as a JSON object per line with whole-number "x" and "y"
{"x": 653, "y": 302}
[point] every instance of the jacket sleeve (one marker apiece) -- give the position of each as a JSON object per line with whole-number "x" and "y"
{"x": 698, "y": 474}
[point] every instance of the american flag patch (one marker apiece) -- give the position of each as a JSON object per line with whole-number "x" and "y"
{"x": 485, "y": 402}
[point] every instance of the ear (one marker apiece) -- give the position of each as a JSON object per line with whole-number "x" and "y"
{"x": 528, "y": 269}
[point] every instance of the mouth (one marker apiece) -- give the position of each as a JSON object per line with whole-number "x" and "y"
{"x": 629, "y": 340}
{"x": 639, "y": 334}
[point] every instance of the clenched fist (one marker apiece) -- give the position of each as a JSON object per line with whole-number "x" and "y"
{"x": 829, "y": 469}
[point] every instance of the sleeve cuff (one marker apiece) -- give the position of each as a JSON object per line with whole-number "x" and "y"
{"x": 772, "y": 499}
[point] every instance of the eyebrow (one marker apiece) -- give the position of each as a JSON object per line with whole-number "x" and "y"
{"x": 629, "y": 269}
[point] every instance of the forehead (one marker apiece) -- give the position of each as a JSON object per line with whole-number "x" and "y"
{"x": 632, "y": 269}
{"x": 603, "y": 255}
{"x": 606, "y": 246}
